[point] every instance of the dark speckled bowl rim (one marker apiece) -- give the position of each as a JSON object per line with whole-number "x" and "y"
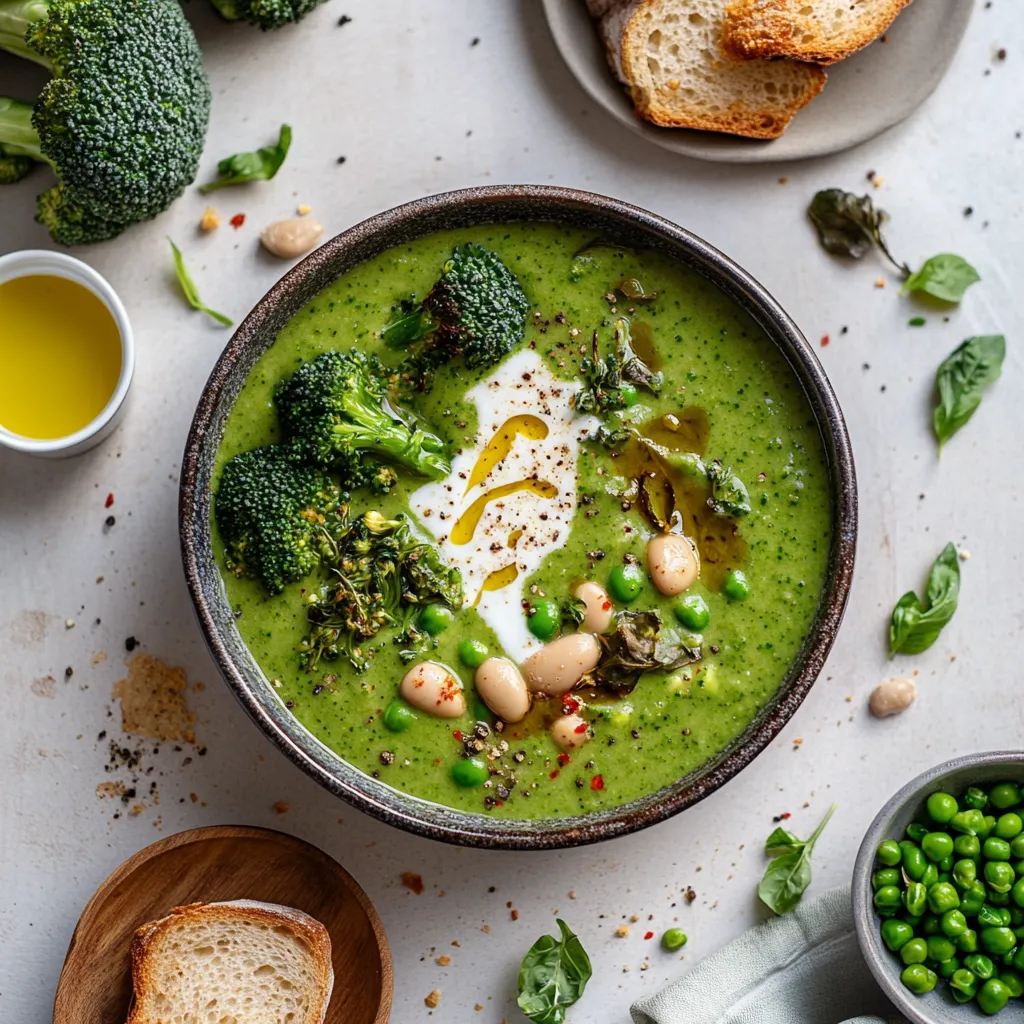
{"x": 607, "y": 218}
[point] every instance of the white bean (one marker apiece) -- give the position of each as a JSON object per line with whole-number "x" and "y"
{"x": 672, "y": 563}
{"x": 560, "y": 665}
{"x": 570, "y": 731}
{"x": 503, "y": 689}
{"x": 292, "y": 237}
{"x": 599, "y": 609}
{"x": 892, "y": 697}
{"x": 435, "y": 689}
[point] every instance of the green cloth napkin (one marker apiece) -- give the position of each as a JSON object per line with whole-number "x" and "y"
{"x": 801, "y": 968}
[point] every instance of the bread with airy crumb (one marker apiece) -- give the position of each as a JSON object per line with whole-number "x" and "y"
{"x": 231, "y": 963}
{"x": 823, "y": 31}
{"x": 670, "y": 56}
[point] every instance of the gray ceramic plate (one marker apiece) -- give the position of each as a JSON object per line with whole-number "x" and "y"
{"x": 871, "y": 91}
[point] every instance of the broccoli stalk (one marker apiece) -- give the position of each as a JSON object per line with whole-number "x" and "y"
{"x": 266, "y": 14}
{"x": 123, "y": 120}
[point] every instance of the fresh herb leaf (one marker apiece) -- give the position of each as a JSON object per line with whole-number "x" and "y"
{"x": 917, "y": 321}
{"x": 553, "y": 976}
{"x": 657, "y": 498}
{"x": 961, "y": 379}
{"x": 259, "y": 166}
{"x": 787, "y": 877}
{"x": 188, "y": 287}
{"x": 610, "y": 437}
{"x": 408, "y": 328}
{"x": 573, "y": 612}
{"x": 603, "y": 377}
{"x": 729, "y": 496}
{"x": 916, "y": 625}
{"x": 944, "y": 277}
{"x": 633, "y": 368}
{"x": 849, "y": 226}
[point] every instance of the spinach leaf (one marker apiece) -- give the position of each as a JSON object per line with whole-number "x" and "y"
{"x": 610, "y": 437}
{"x": 189, "y": 290}
{"x": 553, "y": 976}
{"x": 729, "y": 496}
{"x": 849, "y": 226}
{"x": 259, "y": 166}
{"x": 787, "y": 877}
{"x": 961, "y": 379}
{"x": 944, "y": 277}
{"x": 916, "y": 625}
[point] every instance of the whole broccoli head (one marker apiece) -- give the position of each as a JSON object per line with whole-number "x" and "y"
{"x": 335, "y": 412}
{"x": 123, "y": 120}
{"x": 269, "y": 510}
{"x": 477, "y": 309}
{"x": 267, "y": 14}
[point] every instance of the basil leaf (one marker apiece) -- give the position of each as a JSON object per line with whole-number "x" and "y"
{"x": 188, "y": 288}
{"x": 787, "y": 877}
{"x": 944, "y": 277}
{"x": 259, "y": 166}
{"x": 848, "y": 225}
{"x": 961, "y": 379}
{"x": 780, "y": 841}
{"x": 915, "y": 626}
{"x": 553, "y": 976}
{"x": 729, "y": 496}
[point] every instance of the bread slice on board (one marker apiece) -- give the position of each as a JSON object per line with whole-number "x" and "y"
{"x": 669, "y": 54}
{"x": 823, "y": 31}
{"x": 231, "y": 963}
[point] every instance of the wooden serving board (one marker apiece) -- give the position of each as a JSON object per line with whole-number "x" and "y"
{"x": 215, "y": 864}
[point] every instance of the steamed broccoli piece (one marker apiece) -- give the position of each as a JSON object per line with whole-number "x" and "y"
{"x": 335, "y": 413}
{"x": 267, "y": 14}
{"x": 477, "y": 310}
{"x": 14, "y": 168}
{"x": 122, "y": 121}
{"x": 271, "y": 513}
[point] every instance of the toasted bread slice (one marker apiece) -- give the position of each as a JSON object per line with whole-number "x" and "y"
{"x": 599, "y": 8}
{"x": 823, "y": 31}
{"x": 231, "y": 963}
{"x": 669, "y": 54}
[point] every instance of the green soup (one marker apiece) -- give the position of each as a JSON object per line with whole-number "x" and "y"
{"x": 727, "y": 394}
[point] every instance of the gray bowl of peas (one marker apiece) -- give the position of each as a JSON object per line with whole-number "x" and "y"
{"x": 938, "y": 892}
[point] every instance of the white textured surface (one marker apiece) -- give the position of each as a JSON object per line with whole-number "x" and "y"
{"x": 392, "y": 91}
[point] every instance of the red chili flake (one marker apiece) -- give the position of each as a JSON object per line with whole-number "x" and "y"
{"x": 824, "y": 340}
{"x": 582, "y": 727}
{"x": 564, "y": 759}
{"x": 412, "y": 881}
{"x": 237, "y": 221}
{"x": 597, "y": 782}
{"x": 109, "y": 501}
{"x": 457, "y": 734}
{"x": 786, "y": 816}
{"x": 648, "y": 935}
{"x": 554, "y": 774}
{"x": 605, "y": 605}
{"x": 570, "y": 704}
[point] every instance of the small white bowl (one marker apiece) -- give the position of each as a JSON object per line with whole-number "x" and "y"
{"x": 58, "y": 264}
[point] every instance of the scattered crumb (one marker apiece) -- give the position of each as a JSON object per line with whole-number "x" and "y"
{"x": 43, "y": 687}
{"x": 433, "y": 999}
{"x": 137, "y": 809}
{"x": 210, "y": 220}
{"x": 69, "y": 623}
{"x": 109, "y": 789}
{"x": 443, "y": 961}
{"x": 879, "y": 282}
{"x": 964, "y": 555}
{"x": 478, "y": 1006}
{"x": 98, "y": 658}
{"x": 303, "y": 210}
{"x": 153, "y": 702}
{"x": 514, "y": 915}
{"x": 412, "y": 881}
{"x": 622, "y": 931}
{"x": 282, "y": 807}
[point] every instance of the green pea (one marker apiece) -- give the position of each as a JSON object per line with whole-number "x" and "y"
{"x": 930, "y": 925}
{"x": 987, "y": 827}
{"x": 470, "y": 771}
{"x": 953, "y": 923}
{"x": 992, "y": 996}
{"x": 942, "y": 897}
{"x": 940, "y": 948}
{"x": 435, "y": 618}
{"x": 973, "y": 898}
{"x": 887, "y": 898}
{"x": 999, "y": 899}
{"x": 473, "y": 653}
{"x": 999, "y": 876}
{"x": 673, "y": 939}
{"x": 968, "y": 942}
{"x": 995, "y": 849}
{"x": 629, "y": 393}
{"x": 947, "y": 862}
{"x": 735, "y": 586}
{"x": 947, "y": 968}
{"x": 997, "y": 941}
{"x": 976, "y": 798}
{"x": 1009, "y": 825}
{"x": 1017, "y": 892}
{"x": 886, "y": 876}
{"x": 980, "y": 966}
{"x": 692, "y": 611}
{"x": 931, "y": 875}
{"x": 965, "y": 873}
{"x": 915, "y": 898}
{"x": 914, "y": 952}
{"x": 1005, "y": 795}
{"x": 890, "y": 854}
{"x": 964, "y": 985}
{"x": 916, "y": 831}
{"x": 941, "y": 807}
{"x": 919, "y": 979}
{"x": 967, "y": 846}
{"x": 625, "y": 582}
{"x": 544, "y": 618}
{"x": 936, "y": 845}
{"x": 969, "y": 822}
{"x": 990, "y": 917}
{"x": 914, "y": 861}
{"x": 398, "y": 716}
{"x": 1017, "y": 847}
{"x": 1018, "y": 959}
{"x": 1016, "y": 914}
{"x": 896, "y": 934}
{"x": 1013, "y": 980}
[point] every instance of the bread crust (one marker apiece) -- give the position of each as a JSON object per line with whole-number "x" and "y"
{"x": 756, "y": 29}
{"x": 311, "y": 930}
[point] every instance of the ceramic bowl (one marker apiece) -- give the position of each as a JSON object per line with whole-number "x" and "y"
{"x": 608, "y": 218}
{"x": 58, "y": 264}
{"x": 938, "y": 1006}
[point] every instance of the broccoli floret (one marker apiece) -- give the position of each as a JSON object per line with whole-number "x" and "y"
{"x": 267, "y": 14}
{"x": 335, "y": 412}
{"x": 270, "y": 512}
{"x": 122, "y": 121}
{"x": 477, "y": 310}
{"x": 14, "y": 168}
